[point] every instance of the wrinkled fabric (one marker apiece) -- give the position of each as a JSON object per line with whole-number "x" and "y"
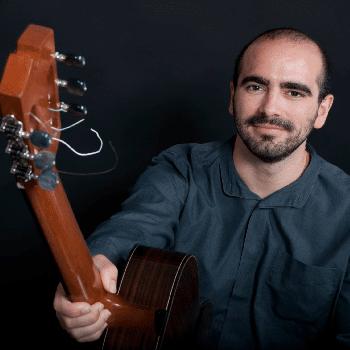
{"x": 276, "y": 269}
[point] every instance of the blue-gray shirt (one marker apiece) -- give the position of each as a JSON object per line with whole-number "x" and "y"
{"x": 276, "y": 269}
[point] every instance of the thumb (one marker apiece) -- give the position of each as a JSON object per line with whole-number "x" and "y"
{"x": 108, "y": 272}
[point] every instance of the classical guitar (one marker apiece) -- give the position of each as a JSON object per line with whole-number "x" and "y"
{"x": 157, "y": 305}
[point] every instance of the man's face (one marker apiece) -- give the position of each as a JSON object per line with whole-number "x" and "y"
{"x": 275, "y": 105}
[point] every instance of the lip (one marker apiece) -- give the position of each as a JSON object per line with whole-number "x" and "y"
{"x": 268, "y": 127}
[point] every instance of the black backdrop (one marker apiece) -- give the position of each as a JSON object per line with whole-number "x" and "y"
{"x": 158, "y": 73}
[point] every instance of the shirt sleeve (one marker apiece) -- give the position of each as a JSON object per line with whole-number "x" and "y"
{"x": 150, "y": 216}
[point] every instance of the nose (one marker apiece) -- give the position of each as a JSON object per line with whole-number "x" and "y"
{"x": 271, "y": 104}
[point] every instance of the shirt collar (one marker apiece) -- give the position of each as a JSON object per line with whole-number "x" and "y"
{"x": 293, "y": 195}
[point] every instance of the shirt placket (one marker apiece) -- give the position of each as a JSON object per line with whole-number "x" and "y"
{"x": 257, "y": 250}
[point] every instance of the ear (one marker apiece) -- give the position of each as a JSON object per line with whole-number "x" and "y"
{"x": 323, "y": 110}
{"x": 230, "y": 108}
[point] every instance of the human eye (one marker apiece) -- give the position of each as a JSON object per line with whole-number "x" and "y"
{"x": 295, "y": 94}
{"x": 254, "y": 88}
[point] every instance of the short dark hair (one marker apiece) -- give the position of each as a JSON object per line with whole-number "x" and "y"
{"x": 293, "y": 35}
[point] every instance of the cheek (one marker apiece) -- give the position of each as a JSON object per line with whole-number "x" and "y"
{"x": 302, "y": 119}
{"x": 245, "y": 107}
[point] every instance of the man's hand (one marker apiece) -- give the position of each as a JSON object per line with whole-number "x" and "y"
{"x": 85, "y": 322}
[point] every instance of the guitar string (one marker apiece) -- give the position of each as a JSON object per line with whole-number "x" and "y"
{"x": 78, "y": 153}
{"x": 82, "y": 154}
{"x": 68, "y": 127}
{"x": 65, "y": 143}
{"x": 98, "y": 173}
{"x": 51, "y": 127}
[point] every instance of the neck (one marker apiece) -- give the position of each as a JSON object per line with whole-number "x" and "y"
{"x": 265, "y": 178}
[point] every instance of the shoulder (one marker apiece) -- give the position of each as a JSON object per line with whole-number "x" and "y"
{"x": 198, "y": 149}
{"x": 334, "y": 173}
{"x": 172, "y": 170}
{"x": 334, "y": 177}
{"x": 186, "y": 155}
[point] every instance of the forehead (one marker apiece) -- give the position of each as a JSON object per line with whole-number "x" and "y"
{"x": 283, "y": 60}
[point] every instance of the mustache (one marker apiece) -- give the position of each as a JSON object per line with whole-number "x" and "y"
{"x": 264, "y": 119}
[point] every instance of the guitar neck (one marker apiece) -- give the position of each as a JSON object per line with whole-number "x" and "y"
{"x": 66, "y": 242}
{"x": 29, "y": 102}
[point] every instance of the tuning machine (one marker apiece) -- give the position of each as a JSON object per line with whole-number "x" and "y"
{"x": 19, "y": 151}
{"x": 48, "y": 179}
{"x": 70, "y": 59}
{"x": 43, "y": 160}
{"x": 73, "y": 86}
{"x": 13, "y": 130}
{"x": 72, "y": 108}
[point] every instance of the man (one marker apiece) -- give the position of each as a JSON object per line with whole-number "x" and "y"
{"x": 265, "y": 216}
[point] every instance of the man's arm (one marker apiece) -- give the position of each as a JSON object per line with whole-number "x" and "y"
{"x": 149, "y": 217}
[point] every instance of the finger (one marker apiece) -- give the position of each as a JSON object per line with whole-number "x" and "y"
{"x": 71, "y": 323}
{"x": 109, "y": 276}
{"x": 65, "y": 307}
{"x": 92, "y": 337}
{"x": 108, "y": 272}
{"x": 92, "y": 330}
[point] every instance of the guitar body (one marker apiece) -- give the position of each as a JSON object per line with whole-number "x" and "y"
{"x": 157, "y": 305}
{"x": 162, "y": 280}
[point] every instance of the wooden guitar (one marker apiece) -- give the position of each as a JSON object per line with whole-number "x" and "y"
{"x": 157, "y": 305}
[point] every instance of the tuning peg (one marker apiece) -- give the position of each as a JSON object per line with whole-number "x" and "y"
{"x": 47, "y": 180}
{"x": 73, "y": 109}
{"x": 70, "y": 59}
{"x": 13, "y": 130}
{"x": 73, "y": 86}
{"x": 40, "y": 139}
{"x": 44, "y": 160}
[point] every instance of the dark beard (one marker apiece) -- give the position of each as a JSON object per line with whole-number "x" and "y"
{"x": 265, "y": 148}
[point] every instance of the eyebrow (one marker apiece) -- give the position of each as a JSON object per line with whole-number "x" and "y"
{"x": 296, "y": 86}
{"x": 285, "y": 85}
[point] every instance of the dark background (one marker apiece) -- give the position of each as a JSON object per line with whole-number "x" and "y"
{"x": 158, "y": 73}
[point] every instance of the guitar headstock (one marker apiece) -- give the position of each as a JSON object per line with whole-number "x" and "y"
{"x": 30, "y": 106}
